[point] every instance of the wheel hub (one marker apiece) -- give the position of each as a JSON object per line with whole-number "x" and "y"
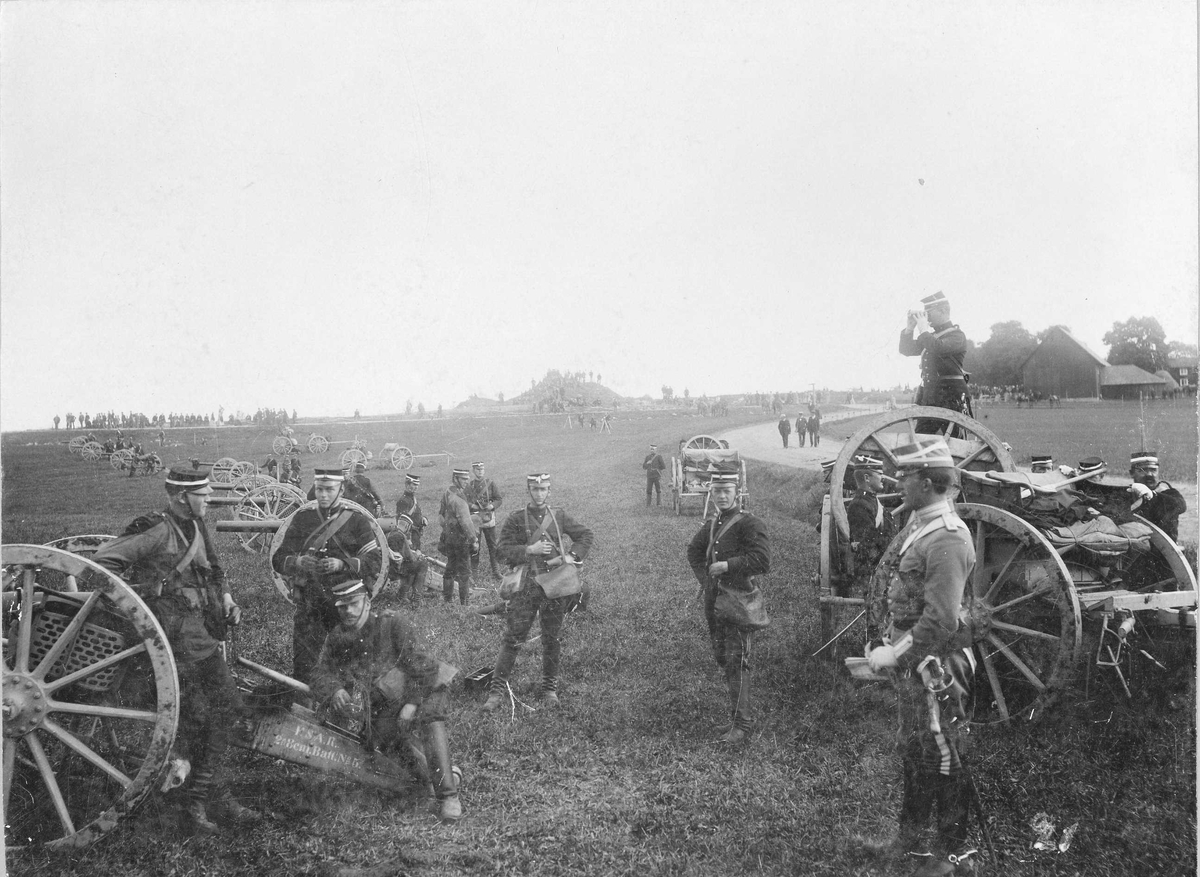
{"x": 25, "y": 704}
{"x": 979, "y": 619}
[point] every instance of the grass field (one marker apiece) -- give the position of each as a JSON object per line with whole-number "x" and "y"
{"x": 625, "y": 777}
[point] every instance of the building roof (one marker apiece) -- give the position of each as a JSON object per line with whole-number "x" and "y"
{"x": 1183, "y": 361}
{"x": 1127, "y": 376}
{"x": 1099, "y": 360}
{"x": 1172, "y": 384}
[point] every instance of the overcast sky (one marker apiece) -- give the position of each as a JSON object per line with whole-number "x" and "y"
{"x": 328, "y": 206}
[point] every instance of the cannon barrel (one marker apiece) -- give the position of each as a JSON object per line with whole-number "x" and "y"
{"x": 275, "y": 675}
{"x": 268, "y": 526}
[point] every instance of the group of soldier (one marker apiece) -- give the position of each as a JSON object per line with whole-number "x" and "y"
{"x": 806, "y": 426}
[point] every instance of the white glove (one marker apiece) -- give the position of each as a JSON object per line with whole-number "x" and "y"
{"x": 1140, "y": 491}
{"x": 1067, "y": 471}
{"x": 881, "y": 658}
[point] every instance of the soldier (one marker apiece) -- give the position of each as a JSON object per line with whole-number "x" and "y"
{"x": 533, "y": 537}
{"x": 294, "y": 466}
{"x": 459, "y": 538}
{"x": 408, "y": 563}
{"x": 56, "y": 421}
{"x": 654, "y": 465}
{"x": 942, "y": 347}
{"x": 785, "y": 428}
{"x": 272, "y": 467}
{"x": 727, "y": 555}
{"x": 814, "y": 428}
{"x": 1041, "y": 463}
{"x": 1156, "y": 501}
{"x": 379, "y": 654}
{"x": 323, "y": 547}
{"x": 930, "y": 660}
{"x": 407, "y": 505}
{"x": 483, "y": 498}
{"x": 357, "y": 488}
{"x": 170, "y": 560}
{"x": 871, "y": 527}
{"x": 801, "y": 429}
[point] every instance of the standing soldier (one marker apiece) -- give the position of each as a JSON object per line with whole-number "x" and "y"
{"x": 942, "y": 347}
{"x": 727, "y": 555}
{"x": 654, "y": 465}
{"x": 483, "y": 498}
{"x": 170, "y": 560}
{"x": 785, "y": 428}
{"x": 459, "y": 538}
{"x": 533, "y": 538}
{"x": 871, "y": 526}
{"x": 801, "y": 429}
{"x": 930, "y": 660}
{"x": 293, "y": 464}
{"x": 407, "y": 505}
{"x": 1156, "y": 501}
{"x": 814, "y": 428}
{"x": 323, "y": 547}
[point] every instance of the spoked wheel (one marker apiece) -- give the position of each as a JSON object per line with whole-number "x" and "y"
{"x": 375, "y": 585}
{"x": 270, "y": 502}
{"x": 1023, "y": 612}
{"x": 242, "y": 470}
{"x": 121, "y": 460}
{"x": 91, "y": 699}
{"x": 281, "y": 445}
{"x": 1162, "y": 568}
{"x": 222, "y": 470}
{"x": 84, "y": 546}
{"x": 317, "y": 444}
{"x": 402, "y": 458}
{"x": 91, "y": 451}
{"x": 152, "y": 464}
{"x": 247, "y": 484}
{"x": 703, "y": 442}
{"x": 76, "y": 444}
{"x": 353, "y": 457}
{"x": 976, "y": 448}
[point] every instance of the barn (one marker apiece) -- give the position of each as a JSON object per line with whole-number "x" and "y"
{"x": 1063, "y": 366}
{"x": 1130, "y": 382}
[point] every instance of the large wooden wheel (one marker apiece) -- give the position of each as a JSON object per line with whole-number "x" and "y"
{"x": 76, "y": 444}
{"x": 317, "y": 444}
{"x": 91, "y": 451}
{"x": 974, "y": 447}
{"x": 91, "y": 699}
{"x": 1022, "y": 611}
{"x": 85, "y": 545}
{"x": 242, "y": 470}
{"x": 703, "y": 442}
{"x": 247, "y": 484}
{"x": 281, "y": 445}
{"x": 375, "y": 586}
{"x": 222, "y": 470}
{"x": 121, "y": 460}
{"x": 352, "y": 457}
{"x": 402, "y": 458}
{"x": 266, "y": 502}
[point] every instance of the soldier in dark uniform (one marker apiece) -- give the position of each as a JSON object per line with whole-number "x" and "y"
{"x": 358, "y": 489}
{"x": 1156, "y": 501}
{"x": 459, "y": 538}
{"x": 170, "y": 560}
{"x": 293, "y": 474}
{"x": 942, "y": 347}
{"x": 654, "y": 465}
{"x": 785, "y": 428}
{"x": 483, "y": 498}
{"x": 531, "y": 537}
{"x": 379, "y": 653}
{"x": 323, "y": 547}
{"x": 801, "y": 429}
{"x": 871, "y": 527}
{"x": 727, "y": 555}
{"x": 408, "y": 565}
{"x": 930, "y": 660}
{"x": 407, "y": 505}
{"x": 814, "y": 428}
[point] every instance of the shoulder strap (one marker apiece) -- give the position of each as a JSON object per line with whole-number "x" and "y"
{"x": 714, "y": 536}
{"x": 189, "y": 553}
{"x": 320, "y": 536}
{"x": 542, "y": 528}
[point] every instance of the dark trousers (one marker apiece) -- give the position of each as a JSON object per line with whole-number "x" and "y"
{"x": 311, "y": 625}
{"x": 208, "y": 704}
{"x": 410, "y": 584}
{"x": 528, "y": 602}
{"x": 458, "y": 569}
{"x": 652, "y": 484}
{"x": 784, "y": 436}
{"x": 733, "y": 650}
{"x": 488, "y": 535}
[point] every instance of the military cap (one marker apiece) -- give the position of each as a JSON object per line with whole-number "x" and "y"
{"x": 346, "y": 592}
{"x": 654, "y": 447}
{"x": 191, "y": 480}
{"x": 930, "y": 453}
{"x": 1041, "y": 460}
{"x": 716, "y": 479}
{"x": 464, "y": 473}
{"x": 404, "y": 523}
{"x": 827, "y": 465}
{"x": 1090, "y": 464}
{"x": 328, "y": 473}
{"x": 478, "y": 464}
{"x": 412, "y": 479}
{"x": 932, "y": 301}
{"x": 1141, "y": 459}
{"x": 864, "y": 461}
{"x": 538, "y": 478}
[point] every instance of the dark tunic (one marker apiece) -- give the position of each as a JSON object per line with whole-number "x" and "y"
{"x": 943, "y": 381}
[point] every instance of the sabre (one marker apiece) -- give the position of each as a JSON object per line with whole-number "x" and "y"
{"x": 840, "y": 632}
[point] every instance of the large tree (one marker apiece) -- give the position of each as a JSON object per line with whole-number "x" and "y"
{"x": 996, "y": 361}
{"x": 1138, "y": 341}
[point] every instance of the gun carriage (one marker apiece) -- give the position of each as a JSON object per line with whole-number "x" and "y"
{"x": 1038, "y": 584}
{"x": 690, "y": 472}
{"x": 315, "y": 443}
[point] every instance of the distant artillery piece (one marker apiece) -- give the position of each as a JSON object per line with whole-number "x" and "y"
{"x": 316, "y": 443}
{"x": 690, "y": 471}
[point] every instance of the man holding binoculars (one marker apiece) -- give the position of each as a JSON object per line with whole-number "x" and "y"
{"x": 942, "y": 347}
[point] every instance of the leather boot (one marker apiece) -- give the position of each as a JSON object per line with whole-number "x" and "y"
{"x": 549, "y": 691}
{"x": 448, "y": 589}
{"x": 954, "y": 801}
{"x": 445, "y": 778}
{"x": 195, "y": 816}
{"x": 226, "y": 809}
{"x": 498, "y": 691}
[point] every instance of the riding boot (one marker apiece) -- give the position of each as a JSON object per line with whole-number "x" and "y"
{"x": 195, "y": 816}
{"x": 498, "y": 690}
{"x": 953, "y": 800}
{"x": 549, "y": 690}
{"x": 916, "y": 804}
{"x": 445, "y": 778}
{"x": 448, "y": 589}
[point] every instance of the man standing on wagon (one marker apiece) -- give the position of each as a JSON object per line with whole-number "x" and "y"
{"x": 170, "y": 560}
{"x": 929, "y": 657}
{"x": 942, "y": 347}
{"x": 323, "y": 547}
{"x": 533, "y": 538}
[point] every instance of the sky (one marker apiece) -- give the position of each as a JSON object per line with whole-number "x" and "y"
{"x": 335, "y": 206}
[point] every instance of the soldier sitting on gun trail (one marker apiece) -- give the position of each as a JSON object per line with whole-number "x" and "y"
{"x": 379, "y": 654}
{"x": 409, "y": 564}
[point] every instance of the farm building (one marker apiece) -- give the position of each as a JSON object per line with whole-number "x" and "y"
{"x": 1063, "y": 366}
{"x": 1130, "y": 382}
{"x": 1183, "y": 370}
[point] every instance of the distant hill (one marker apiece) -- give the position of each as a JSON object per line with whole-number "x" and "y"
{"x": 572, "y": 388}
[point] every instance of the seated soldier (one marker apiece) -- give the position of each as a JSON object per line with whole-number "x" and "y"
{"x": 409, "y": 564}
{"x": 1156, "y": 501}
{"x": 871, "y": 527}
{"x": 379, "y": 653}
{"x": 1041, "y": 463}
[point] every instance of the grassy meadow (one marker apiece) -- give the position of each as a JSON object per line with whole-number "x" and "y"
{"x": 625, "y": 778}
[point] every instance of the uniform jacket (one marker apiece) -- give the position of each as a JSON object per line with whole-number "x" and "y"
{"x": 455, "y": 513}
{"x": 357, "y": 489}
{"x": 870, "y": 526}
{"x": 481, "y": 491}
{"x": 514, "y": 537}
{"x": 941, "y": 351}
{"x": 354, "y": 544}
{"x": 653, "y": 464}
{"x": 407, "y": 505}
{"x": 785, "y": 426}
{"x": 384, "y": 642}
{"x": 925, "y": 596}
{"x": 744, "y": 546}
{"x": 1163, "y": 509}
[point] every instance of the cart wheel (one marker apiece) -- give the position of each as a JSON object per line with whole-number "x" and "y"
{"x": 153, "y": 464}
{"x": 91, "y": 451}
{"x": 91, "y": 699}
{"x": 402, "y": 458}
{"x": 1164, "y": 567}
{"x": 247, "y": 484}
{"x": 317, "y": 444}
{"x": 703, "y": 442}
{"x": 825, "y": 570}
{"x": 978, "y": 450}
{"x": 1024, "y": 615}
{"x": 222, "y": 470}
{"x": 76, "y": 444}
{"x": 380, "y": 580}
{"x": 121, "y": 460}
{"x": 268, "y": 502}
{"x": 281, "y": 445}
{"x": 242, "y": 470}
{"x": 352, "y": 456}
